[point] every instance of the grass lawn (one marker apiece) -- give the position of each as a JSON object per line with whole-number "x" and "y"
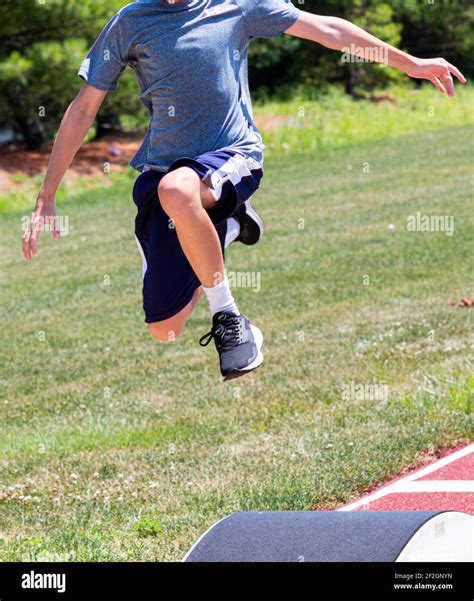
{"x": 113, "y": 447}
{"x": 337, "y": 120}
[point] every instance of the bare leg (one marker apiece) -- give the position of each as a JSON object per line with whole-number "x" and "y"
{"x": 169, "y": 329}
{"x": 185, "y": 198}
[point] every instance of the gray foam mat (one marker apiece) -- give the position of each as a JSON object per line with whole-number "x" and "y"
{"x": 310, "y": 536}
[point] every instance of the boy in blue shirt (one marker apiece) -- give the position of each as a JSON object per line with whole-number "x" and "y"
{"x": 202, "y": 157}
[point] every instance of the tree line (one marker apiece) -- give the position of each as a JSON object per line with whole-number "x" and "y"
{"x": 42, "y": 45}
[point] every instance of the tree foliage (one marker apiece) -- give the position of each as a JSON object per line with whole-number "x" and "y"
{"x": 42, "y": 44}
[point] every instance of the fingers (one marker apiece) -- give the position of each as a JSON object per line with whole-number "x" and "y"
{"x": 436, "y": 82}
{"x": 26, "y": 244}
{"x": 31, "y": 235}
{"x": 30, "y": 240}
{"x": 448, "y": 83}
{"x": 55, "y": 231}
{"x": 35, "y": 232}
{"x": 447, "y": 79}
{"x": 457, "y": 73}
{"x": 440, "y": 74}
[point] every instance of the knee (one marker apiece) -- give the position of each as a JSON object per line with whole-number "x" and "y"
{"x": 165, "y": 332}
{"x": 178, "y": 192}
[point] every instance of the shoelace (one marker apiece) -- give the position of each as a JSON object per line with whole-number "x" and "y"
{"x": 227, "y": 335}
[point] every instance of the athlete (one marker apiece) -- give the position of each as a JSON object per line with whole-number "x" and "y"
{"x": 201, "y": 159}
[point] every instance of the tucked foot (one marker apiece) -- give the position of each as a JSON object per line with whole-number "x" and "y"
{"x": 252, "y": 227}
{"x": 238, "y": 343}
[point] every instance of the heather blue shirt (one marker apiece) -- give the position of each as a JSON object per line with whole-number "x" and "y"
{"x": 190, "y": 60}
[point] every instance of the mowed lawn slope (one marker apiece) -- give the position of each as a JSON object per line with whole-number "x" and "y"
{"x": 113, "y": 447}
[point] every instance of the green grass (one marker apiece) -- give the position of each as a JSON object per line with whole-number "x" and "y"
{"x": 336, "y": 119}
{"x": 301, "y": 125}
{"x": 114, "y": 447}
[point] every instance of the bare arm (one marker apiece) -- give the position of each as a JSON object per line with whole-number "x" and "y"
{"x": 339, "y": 34}
{"x": 76, "y": 122}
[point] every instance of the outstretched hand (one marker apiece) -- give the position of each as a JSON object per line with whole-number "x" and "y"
{"x": 43, "y": 217}
{"x": 439, "y": 72}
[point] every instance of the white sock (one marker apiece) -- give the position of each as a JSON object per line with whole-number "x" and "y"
{"x": 233, "y": 231}
{"x": 220, "y": 298}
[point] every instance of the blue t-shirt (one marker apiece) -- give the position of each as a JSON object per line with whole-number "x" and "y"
{"x": 190, "y": 59}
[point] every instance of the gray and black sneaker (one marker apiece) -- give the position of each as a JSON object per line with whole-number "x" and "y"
{"x": 251, "y": 224}
{"x": 238, "y": 343}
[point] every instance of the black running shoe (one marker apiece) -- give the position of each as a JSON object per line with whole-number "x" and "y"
{"x": 251, "y": 224}
{"x": 238, "y": 343}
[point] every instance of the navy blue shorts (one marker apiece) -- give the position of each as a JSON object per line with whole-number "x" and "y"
{"x": 169, "y": 281}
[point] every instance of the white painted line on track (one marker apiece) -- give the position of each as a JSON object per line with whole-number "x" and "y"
{"x": 435, "y": 486}
{"x": 402, "y": 483}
